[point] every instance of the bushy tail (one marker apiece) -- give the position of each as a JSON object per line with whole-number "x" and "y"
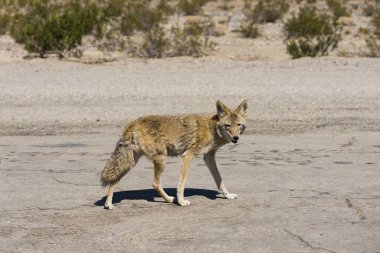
{"x": 122, "y": 160}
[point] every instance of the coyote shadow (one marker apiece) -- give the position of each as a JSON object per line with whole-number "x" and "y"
{"x": 150, "y": 194}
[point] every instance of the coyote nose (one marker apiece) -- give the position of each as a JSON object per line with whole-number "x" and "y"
{"x": 236, "y": 138}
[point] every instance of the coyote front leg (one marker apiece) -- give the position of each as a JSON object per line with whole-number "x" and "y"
{"x": 182, "y": 180}
{"x": 209, "y": 159}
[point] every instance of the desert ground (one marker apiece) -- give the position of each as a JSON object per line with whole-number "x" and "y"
{"x": 306, "y": 172}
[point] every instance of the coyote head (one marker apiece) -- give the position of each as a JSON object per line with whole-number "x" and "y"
{"x": 231, "y": 122}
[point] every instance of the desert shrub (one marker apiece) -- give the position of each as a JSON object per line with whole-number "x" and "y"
{"x": 209, "y": 27}
{"x": 249, "y": 29}
{"x": 12, "y": 3}
{"x": 8, "y": 10}
{"x": 338, "y": 9}
{"x": 188, "y": 41}
{"x": 368, "y": 9}
{"x": 46, "y": 27}
{"x": 4, "y": 23}
{"x": 113, "y": 9}
{"x": 265, "y": 10}
{"x": 311, "y": 34}
{"x": 156, "y": 43}
{"x": 191, "y": 7}
{"x": 373, "y": 36}
{"x": 142, "y": 16}
{"x": 227, "y": 5}
{"x": 262, "y": 12}
{"x": 375, "y": 22}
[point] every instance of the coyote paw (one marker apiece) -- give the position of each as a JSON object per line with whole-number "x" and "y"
{"x": 230, "y": 196}
{"x": 183, "y": 203}
{"x": 170, "y": 200}
{"x": 108, "y": 206}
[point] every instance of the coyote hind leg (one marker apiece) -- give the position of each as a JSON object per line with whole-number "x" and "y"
{"x": 108, "y": 203}
{"x": 159, "y": 164}
{"x": 121, "y": 162}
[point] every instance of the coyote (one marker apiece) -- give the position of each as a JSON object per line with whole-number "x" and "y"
{"x": 160, "y": 136}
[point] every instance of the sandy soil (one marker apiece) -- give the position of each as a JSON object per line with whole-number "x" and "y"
{"x": 306, "y": 173}
{"x": 55, "y": 97}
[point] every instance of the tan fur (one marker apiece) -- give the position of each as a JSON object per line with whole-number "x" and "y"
{"x": 160, "y": 136}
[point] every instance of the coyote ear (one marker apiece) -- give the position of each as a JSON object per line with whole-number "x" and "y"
{"x": 242, "y": 108}
{"x": 221, "y": 109}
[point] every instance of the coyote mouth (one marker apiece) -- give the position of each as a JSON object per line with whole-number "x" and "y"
{"x": 234, "y": 141}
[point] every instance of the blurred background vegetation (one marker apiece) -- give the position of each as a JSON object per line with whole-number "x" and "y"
{"x": 168, "y": 28}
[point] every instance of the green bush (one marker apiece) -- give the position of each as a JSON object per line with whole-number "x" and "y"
{"x": 141, "y": 16}
{"x": 375, "y": 22}
{"x": 227, "y": 5}
{"x": 369, "y": 9}
{"x": 189, "y": 41}
{"x": 48, "y": 27}
{"x": 249, "y": 29}
{"x": 156, "y": 43}
{"x": 191, "y": 7}
{"x": 338, "y": 9}
{"x": 373, "y": 36}
{"x": 4, "y": 23}
{"x": 265, "y": 10}
{"x": 113, "y": 9}
{"x": 311, "y": 34}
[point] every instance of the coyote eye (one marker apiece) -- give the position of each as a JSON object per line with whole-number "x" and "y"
{"x": 227, "y": 126}
{"x": 239, "y": 125}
